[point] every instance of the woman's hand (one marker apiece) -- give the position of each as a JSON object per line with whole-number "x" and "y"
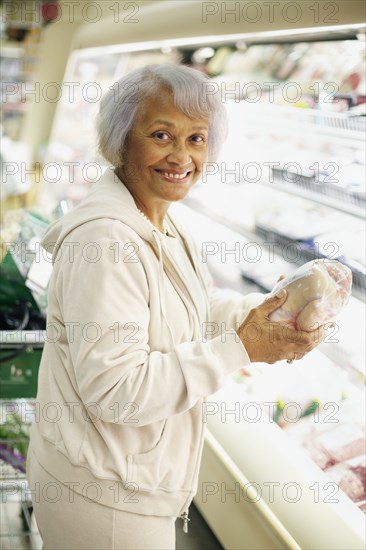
{"x": 267, "y": 341}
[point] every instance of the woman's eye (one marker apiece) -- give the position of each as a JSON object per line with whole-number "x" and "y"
{"x": 198, "y": 139}
{"x": 161, "y": 135}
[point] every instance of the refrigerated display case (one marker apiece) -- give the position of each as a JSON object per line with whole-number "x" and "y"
{"x": 285, "y": 191}
{"x": 272, "y": 205}
{"x": 288, "y": 187}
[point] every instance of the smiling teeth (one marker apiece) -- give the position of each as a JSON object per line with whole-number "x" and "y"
{"x": 175, "y": 176}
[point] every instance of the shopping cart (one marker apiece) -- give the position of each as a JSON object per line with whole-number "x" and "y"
{"x": 19, "y": 364}
{"x": 18, "y": 527}
{"x": 22, "y": 336}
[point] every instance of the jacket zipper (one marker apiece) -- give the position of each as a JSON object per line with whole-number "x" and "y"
{"x": 184, "y": 516}
{"x": 195, "y": 266}
{"x": 186, "y": 520}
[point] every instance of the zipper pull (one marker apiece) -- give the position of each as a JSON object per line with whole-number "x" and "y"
{"x": 185, "y": 519}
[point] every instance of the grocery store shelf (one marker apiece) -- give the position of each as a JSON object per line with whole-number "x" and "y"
{"x": 260, "y": 238}
{"x": 219, "y": 218}
{"x": 319, "y": 198}
{"x": 316, "y": 123}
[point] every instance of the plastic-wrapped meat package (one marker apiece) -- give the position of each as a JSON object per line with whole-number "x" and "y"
{"x": 316, "y": 293}
{"x": 350, "y": 476}
{"x": 335, "y": 445}
{"x": 340, "y": 452}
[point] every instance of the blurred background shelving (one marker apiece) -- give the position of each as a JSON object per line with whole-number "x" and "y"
{"x": 20, "y": 38}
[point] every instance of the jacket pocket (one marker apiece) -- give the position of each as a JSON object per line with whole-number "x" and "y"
{"x": 165, "y": 466}
{"x": 144, "y": 469}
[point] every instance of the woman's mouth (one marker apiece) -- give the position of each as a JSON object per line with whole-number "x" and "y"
{"x": 167, "y": 175}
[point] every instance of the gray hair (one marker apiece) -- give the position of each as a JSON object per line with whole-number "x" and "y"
{"x": 193, "y": 94}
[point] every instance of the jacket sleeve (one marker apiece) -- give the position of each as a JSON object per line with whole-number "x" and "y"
{"x": 104, "y": 295}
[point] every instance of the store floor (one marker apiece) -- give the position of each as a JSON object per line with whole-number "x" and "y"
{"x": 199, "y": 536}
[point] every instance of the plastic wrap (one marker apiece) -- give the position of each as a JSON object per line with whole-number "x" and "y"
{"x": 317, "y": 291}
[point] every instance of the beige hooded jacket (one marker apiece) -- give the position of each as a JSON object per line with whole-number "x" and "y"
{"x": 126, "y": 365}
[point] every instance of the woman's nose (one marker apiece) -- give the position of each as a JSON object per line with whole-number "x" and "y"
{"x": 179, "y": 154}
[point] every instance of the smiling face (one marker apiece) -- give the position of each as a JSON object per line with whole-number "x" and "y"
{"x": 164, "y": 155}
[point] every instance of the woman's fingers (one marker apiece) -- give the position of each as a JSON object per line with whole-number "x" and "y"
{"x": 305, "y": 338}
{"x": 300, "y": 343}
{"x": 275, "y": 341}
{"x": 272, "y": 303}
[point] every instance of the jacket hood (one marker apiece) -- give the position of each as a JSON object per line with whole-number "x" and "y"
{"x": 120, "y": 206}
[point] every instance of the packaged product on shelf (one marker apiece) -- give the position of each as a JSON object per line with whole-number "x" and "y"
{"x": 301, "y": 396}
{"x": 309, "y": 221}
{"x": 339, "y": 443}
{"x": 318, "y": 406}
{"x": 338, "y": 449}
{"x": 25, "y": 265}
{"x": 265, "y": 272}
{"x": 350, "y": 244}
{"x": 14, "y": 437}
{"x": 350, "y": 476}
{"x": 317, "y": 292}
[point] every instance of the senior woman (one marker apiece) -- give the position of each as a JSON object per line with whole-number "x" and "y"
{"x": 115, "y": 451}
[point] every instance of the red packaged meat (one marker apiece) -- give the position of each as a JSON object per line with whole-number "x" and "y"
{"x": 316, "y": 293}
{"x": 350, "y": 476}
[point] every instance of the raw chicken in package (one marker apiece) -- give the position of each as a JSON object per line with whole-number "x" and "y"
{"x": 316, "y": 293}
